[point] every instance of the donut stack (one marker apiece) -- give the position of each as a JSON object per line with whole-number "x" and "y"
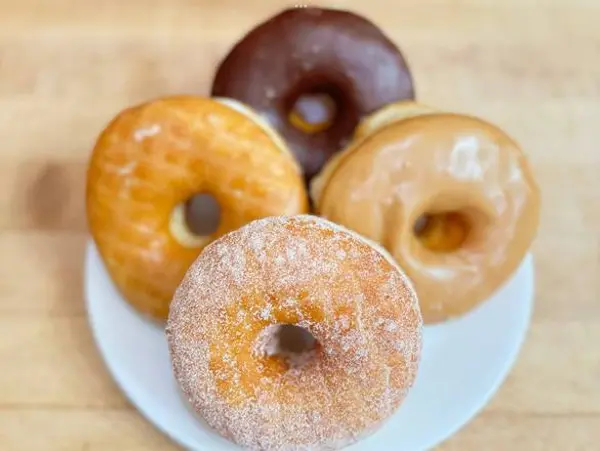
{"x": 349, "y": 215}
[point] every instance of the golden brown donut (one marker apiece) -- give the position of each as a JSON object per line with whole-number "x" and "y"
{"x": 451, "y": 197}
{"x": 155, "y": 156}
{"x": 227, "y": 319}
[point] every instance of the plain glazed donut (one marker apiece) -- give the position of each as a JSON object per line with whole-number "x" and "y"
{"x": 151, "y": 159}
{"x": 451, "y": 197}
{"x": 301, "y": 54}
{"x": 308, "y": 272}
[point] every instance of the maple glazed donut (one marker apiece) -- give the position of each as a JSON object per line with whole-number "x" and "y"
{"x": 228, "y": 317}
{"x": 451, "y": 197}
{"x": 152, "y": 159}
{"x": 314, "y": 73}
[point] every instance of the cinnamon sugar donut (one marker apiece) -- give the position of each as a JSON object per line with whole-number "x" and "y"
{"x": 451, "y": 197}
{"x": 304, "y": 271}
{"x": 152, "y": 159}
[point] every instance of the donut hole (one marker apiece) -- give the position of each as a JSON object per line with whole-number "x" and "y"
{"x": 202, "y": 214}
{"x": 443, "y": 232}
{"x": 195, "y": 220}
{"x": 314, "y": 111}
{"x": 295, "y": 339}
{"x": 293, "y": 345}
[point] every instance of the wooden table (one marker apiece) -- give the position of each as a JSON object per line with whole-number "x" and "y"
{"x": 66, "y": 67}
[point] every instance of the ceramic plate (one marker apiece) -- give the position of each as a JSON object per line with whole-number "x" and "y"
{"x": 463, "y": 364}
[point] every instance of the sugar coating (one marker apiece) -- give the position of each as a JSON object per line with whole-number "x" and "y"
{"x": 345, "y": 291}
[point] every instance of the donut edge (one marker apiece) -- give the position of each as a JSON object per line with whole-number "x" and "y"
{"x": 266, "y": 127}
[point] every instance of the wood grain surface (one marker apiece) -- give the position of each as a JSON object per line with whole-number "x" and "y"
{"x": 66, "y": 67}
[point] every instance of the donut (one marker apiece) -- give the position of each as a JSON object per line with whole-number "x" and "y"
{"x": 389, "y": 114}
{"x": 451, "y": 197}
{"x": 313, "y": 73}
{"x": 151, "y": 159}
{"x": 227, "y": 343}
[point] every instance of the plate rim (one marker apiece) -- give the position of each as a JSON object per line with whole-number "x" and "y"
{"x": 528, "y": 264}
{"x": 134, "y": 396}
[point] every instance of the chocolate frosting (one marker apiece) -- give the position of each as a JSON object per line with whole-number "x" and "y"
{"x": 306, "y": 50}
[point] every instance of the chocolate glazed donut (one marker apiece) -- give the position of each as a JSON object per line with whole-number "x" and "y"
{"x": 305, "y": 52}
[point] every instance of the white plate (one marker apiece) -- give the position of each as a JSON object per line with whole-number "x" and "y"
{"x": 463, "y": 364}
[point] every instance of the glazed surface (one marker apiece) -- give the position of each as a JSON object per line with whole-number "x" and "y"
{"x": 428, "y": 164}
